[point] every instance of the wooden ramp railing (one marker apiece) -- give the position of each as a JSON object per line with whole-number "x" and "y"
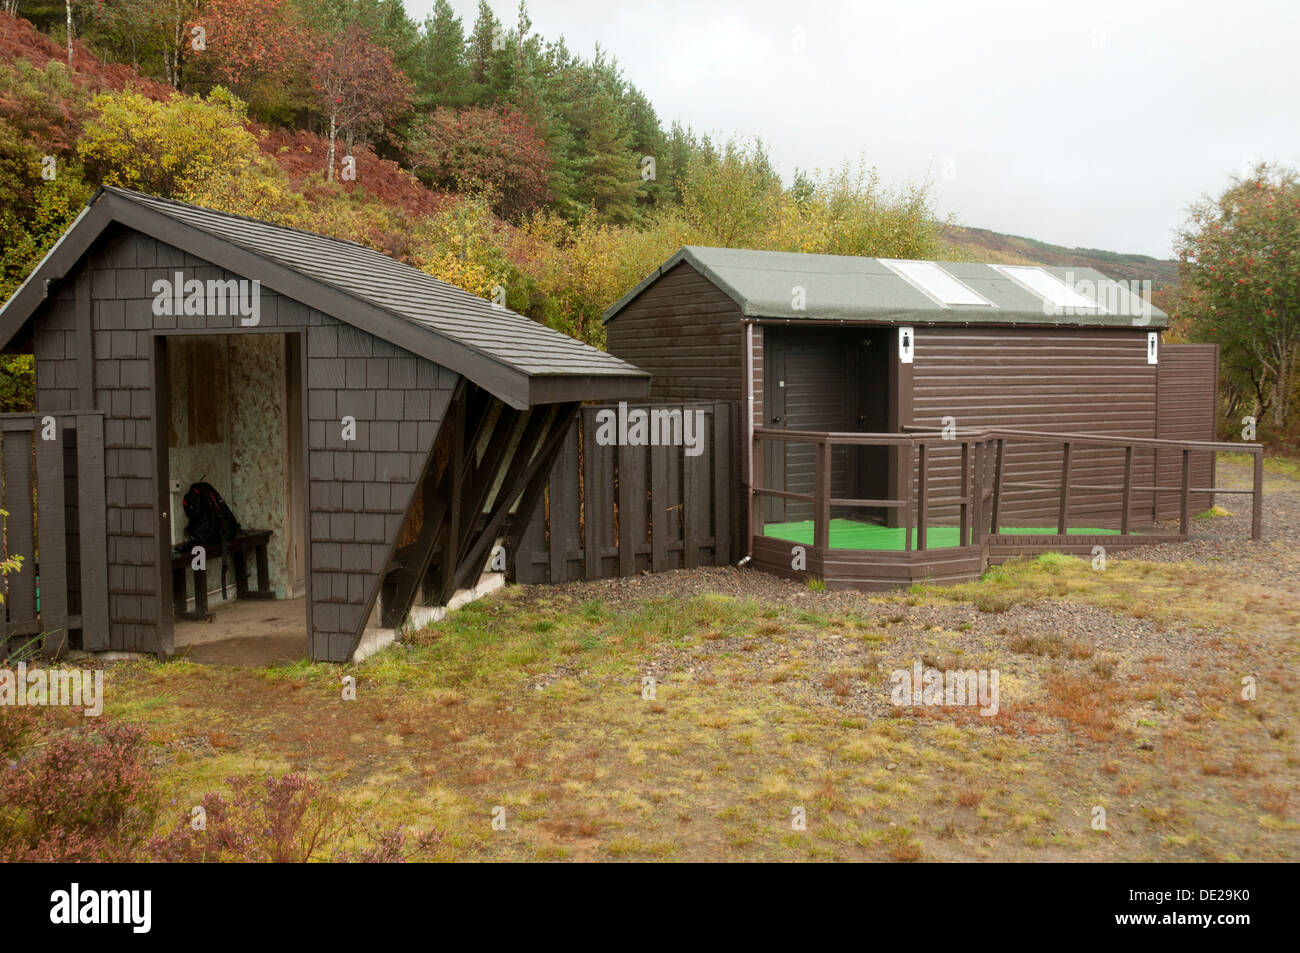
{"x": 916, "y": 499}
{"x": 1127, "y": 448}
{"x": 53, "y": 488}
{"x": 982, "y": 489}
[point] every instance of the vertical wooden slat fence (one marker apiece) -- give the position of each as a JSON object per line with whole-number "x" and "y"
{"x": 57, "y": 524}
{"x": 617, "y": 510}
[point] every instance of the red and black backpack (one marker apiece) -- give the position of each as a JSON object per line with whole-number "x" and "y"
{"x": 210, "y": 522}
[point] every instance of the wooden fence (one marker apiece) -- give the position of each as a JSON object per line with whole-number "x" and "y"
{"x": 53, "y": 488}
{"x": 620, "y": 507}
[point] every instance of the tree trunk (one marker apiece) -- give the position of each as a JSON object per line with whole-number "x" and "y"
{"x": 1281, "y": 390}
{"x": 334, "y": 131}
{"x": 178, "y": 37}
{"x": 67, "y": 5}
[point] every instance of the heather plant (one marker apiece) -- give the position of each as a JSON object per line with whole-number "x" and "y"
{"x": 265, "y": 820}
{"x": 392, "y": 847}
{"x": 290, "y": 819}
{"x": 17, "y": 725}
{"x": 83, "y": 795}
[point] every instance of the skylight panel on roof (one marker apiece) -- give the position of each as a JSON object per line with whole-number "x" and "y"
{"x": 933, "y": 281}
{"x": 1051, "y": 289}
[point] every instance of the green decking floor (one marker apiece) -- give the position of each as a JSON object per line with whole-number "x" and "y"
{"x": 850, "y": 534}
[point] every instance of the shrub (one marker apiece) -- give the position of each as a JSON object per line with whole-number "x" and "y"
{"x": 83, "y": 796}
{"x": 290, "y": 819}
{"x": 492, "y": 153}
{"x": 16, "y": 728}
{"x": 167, "y": 148}
{"x": 266, "y": 820}
{"x": 390, "y": 847}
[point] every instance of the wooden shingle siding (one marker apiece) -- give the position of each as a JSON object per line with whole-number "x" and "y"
{"x": 358, "y": 492}
{"x": 687, "y": 334}
{"x": 55, "y": 353}
{"x": 519, "y": 360}
{"x": 1061, "y": 380}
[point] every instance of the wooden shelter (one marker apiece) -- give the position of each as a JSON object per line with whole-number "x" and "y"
{"x": 383, "y": 425}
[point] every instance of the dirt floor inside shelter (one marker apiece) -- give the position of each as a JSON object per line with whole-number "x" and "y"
{"x": 254, "y": 632}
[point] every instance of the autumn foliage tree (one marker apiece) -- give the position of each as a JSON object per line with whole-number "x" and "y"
{"x": 1239, "y": 256}
{"x": 357, "y": 86}
{"x": 167, "y": 148}
{"x": 254, "y": 41}
{"x": 490, "y": 152}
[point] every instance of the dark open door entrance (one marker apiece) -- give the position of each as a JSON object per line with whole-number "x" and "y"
{"x": 228, "y": 410}
{"x": 832, "y": 380}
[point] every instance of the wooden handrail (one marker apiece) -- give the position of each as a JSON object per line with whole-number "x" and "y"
{"x": 865, "y": 439}
{"x": 922, "y": 492}
{"x": 1100, "y": 440}
{"x": 917, "y": 442}
{"x": 822, "y": 492}
{"x": 964, "y": 523}
{"x": 1130, "y": 444}
{"x": 1257, "y": 504}
{"x": 1063, "y": 510}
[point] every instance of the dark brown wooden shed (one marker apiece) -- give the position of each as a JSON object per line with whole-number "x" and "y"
{"x": 824, "y": 344}
{"x": 381, "y": 424}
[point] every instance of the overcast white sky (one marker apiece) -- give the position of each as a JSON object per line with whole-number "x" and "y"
{"x": 1091, "y": 124}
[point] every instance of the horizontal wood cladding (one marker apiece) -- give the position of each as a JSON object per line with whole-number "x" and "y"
{"x": 1002, "y": 549}
{"x": 687, "y": 334}
{"x": 1062, "y": 380}
{"x": 871, "y": 570}
{"x": 1187, "y": 410}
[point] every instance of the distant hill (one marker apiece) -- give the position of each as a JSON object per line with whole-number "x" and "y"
{"x": 996, "y": 247}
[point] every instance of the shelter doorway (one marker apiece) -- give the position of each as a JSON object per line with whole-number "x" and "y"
{"x": 828, "y": 380}
{"x": 230, "y": 413}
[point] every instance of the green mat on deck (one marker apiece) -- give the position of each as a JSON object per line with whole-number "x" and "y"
{"x": 850, "y": 534}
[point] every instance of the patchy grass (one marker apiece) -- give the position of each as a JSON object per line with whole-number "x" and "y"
{"x": 1273, "y": 463}
{"x": 718, "y": 726}
{"x": 1166, "y": 592}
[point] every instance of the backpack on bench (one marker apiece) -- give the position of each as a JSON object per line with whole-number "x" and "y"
{"x": 210, "y": 522}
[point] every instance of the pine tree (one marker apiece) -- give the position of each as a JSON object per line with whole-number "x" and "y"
{"x": 608, "y": 175}
{"x": 484, "y": 45}
{"x": 443, "y": 77}
{"x": 646, "y": 139}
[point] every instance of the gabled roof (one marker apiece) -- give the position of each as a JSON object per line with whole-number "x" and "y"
{"x": 510, "y": 355}
{"x": 843, "y": 288}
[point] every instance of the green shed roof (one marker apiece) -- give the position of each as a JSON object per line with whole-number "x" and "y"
{"x": 765, "y": 284}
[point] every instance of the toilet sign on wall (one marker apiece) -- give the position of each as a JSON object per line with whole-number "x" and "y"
{"x": 1153, "y": 347}
{"x": 906, "y": 344}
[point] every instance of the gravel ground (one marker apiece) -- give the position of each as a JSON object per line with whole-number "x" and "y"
{"x": 958, "y": 634}
{"x": 1273, "y": 560}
